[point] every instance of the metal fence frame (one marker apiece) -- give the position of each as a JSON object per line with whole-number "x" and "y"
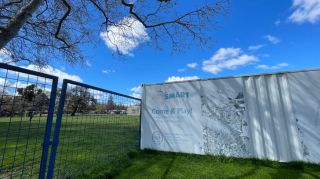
{"x": 62, "y": 99}
{"x": 44, "y": 170}
{"x": 47, "y": 134}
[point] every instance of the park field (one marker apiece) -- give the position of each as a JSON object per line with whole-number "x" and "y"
{"x": 106, "y": 146}
{"x": 87, "y": 143}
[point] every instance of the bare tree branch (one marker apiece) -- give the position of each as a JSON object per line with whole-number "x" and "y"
{"x": 177, "y": 20}
{"x": 64, "y": 17}
{"x": 37, "y": 31}
{"x": 101, "y": 11}
{"x": 10, "y": 4}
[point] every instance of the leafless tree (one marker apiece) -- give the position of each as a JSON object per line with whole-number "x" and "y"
{"x": 38, "y": 31}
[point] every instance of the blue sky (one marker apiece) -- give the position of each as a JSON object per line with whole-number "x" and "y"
{"x": 254, "y": 37}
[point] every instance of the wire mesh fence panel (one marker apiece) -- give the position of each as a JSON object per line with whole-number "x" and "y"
{"x": 98, "y": 128}
{"x": 26, "y": 109}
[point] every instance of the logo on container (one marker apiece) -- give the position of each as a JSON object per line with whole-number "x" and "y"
{"x": 157, "y": 137}
{"x": 174, "y": 95}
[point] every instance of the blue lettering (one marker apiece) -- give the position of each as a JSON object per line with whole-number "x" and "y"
{"x": 176, "y": 95}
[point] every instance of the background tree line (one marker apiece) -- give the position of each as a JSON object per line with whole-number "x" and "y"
{"x": 28, "y": 101}
{"x": 31, "y": 100}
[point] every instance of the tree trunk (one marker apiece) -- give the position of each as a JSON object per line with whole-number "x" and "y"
{"x": 9, "y": 31}
{"x": 74, "y": 111}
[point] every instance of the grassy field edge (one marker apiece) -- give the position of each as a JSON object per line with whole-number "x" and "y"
{"x": 166, "y": 159}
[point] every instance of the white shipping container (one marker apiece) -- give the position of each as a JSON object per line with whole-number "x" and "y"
{"x": 268, "y": 116}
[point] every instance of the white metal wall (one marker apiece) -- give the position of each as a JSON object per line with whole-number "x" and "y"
{"x": 274, "y": 116}
{"x": 273, "y": 128}
{"x": 305, "y": 97}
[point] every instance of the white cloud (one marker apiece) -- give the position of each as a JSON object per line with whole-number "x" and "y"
{"x": 5, "y": 57}
{"x": 54, "y": 71}
{"x": 192, "y": 65}
{"x": 7, "y": 87}
{"x": 125, "y": 36}
{"x": 10, "y": 86}
{"x": 227, "y": 58}
{"x": 275, "y": 67}
{"x": 305, "y": 11}
{"x": 88, "y": 64}
{"x": 185, "y": 78}
{"x": 181, "y": 70}
{"x": 19, "y": 84}
{"x": 135, "y": 95}
{"x": 136, "y": 91}
{"x": 108, "y": 71}
{"x": 272, "y": 39}
{"x": 277, "y": 22}
{"x": 255, "y": 47}
{"x": 266, "y": 55}
{"x": 2, "y": 81}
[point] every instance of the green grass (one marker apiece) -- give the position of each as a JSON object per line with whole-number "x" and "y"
{"x": 106, "y": 147}
{"x": 151, "y": 164}
{"x": 87, "y": 144}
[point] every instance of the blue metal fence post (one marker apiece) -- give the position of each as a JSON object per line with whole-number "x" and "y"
{"x": 57, "y": 130}
{"x": 47, "y": 134}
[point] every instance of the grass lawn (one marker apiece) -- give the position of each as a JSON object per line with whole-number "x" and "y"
{"x": 89, "y": 145}
{"x": 97, "y": 146}
{"x": 151, "y": 164}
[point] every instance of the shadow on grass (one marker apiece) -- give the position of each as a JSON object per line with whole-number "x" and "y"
{"x": 169, "y": 167}
{"x": 153, "y": 164}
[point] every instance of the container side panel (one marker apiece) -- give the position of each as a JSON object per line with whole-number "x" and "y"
{"x": 271, "y": 116}
{"x": 254, "y": 118}
{"x": 305, "y": 88}
{"x": 266, "y": 120}
{"x": 291, "y": 124}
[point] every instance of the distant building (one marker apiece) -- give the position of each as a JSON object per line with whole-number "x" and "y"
{"x": 133, "y": 110}
{"x": 116, "y": 111}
